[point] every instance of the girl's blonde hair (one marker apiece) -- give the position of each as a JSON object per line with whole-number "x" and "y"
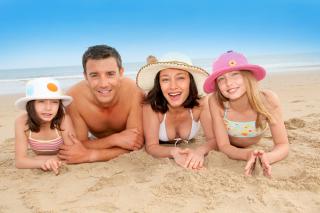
{"x": 255, "y": 96}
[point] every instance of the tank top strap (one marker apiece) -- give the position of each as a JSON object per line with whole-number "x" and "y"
{"x": 191, "y": 114}
{"x": 164, "y": 117}
{"x": 226, "y": 108}
{"x": 57, "y": 132}
{"x": 163, "y": 130}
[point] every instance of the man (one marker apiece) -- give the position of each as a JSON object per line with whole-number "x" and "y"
{"x": 106, "y": 110}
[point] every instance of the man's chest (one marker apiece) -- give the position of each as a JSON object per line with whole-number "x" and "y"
{"x": 102, "y": 120}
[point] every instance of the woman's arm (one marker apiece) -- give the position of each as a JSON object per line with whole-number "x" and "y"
{"x": 151, "y": 125}
{"x": 221, "y": 134}
{"x": 278, "y": 130}
{"x": 206, "y": 123}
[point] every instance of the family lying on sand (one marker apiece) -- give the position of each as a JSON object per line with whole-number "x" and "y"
{"x": 107, "y": 114}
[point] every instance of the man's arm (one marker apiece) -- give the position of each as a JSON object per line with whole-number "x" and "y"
{"x": 77, "y": 152}
{"x": 80, "y": 127}
{"x": 130, "y": 138}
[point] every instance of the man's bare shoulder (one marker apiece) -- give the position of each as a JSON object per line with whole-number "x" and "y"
{"x": 79, "y": 90}
{"x": 129, "y": 87}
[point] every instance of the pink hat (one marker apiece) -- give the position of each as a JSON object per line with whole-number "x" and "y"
{"x": 231, "y": 61}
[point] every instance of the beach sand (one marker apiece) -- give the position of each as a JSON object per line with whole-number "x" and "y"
{"x": 137, "y": 182}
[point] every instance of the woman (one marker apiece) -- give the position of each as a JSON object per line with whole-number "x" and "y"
{"x": 173, "y": 109}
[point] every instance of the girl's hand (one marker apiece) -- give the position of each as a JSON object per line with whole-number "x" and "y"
{"x": 264, "y": 163}
{"x": 52, "y": 164}
{"x": 194, "y": 159}
{"x": 263, "y": 160}
{"x": 179, "y": 157}
{"x": 251, "y": 163}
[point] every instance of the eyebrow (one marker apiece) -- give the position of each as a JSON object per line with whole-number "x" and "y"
{"x": 181, "y": 73}
{"x": 166, "y": 75}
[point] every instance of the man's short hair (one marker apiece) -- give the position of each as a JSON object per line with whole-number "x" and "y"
{"x": 101, "y": 52}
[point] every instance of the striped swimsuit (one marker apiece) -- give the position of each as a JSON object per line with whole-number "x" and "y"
{"x": 45, "y": 145}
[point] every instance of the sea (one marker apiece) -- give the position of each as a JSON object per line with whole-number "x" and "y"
{"x": 12, "y": 81}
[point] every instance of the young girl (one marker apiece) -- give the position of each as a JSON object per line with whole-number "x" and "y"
{"x": 173, "y": 110}
{"x": 43, "y": 127}
{"x": 241, "y": 112}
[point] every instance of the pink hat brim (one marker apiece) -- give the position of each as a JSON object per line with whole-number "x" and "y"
{"x": 209, "y": 85}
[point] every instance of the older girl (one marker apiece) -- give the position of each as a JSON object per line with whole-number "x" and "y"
{"x": 241, "y": 112}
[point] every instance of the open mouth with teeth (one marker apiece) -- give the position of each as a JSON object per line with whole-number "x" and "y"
{"x": 46, "y": 115}
{"x": 232, "y": 90}
{"x": 104, "y": 91}
{"x": 174, "y": 95}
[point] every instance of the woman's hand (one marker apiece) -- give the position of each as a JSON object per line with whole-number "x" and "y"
{"x": 178, "y": 156}
{"x": 194, "y": 159}
{"x": 52, "y": 164}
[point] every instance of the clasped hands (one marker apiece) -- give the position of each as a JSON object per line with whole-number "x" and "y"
{"x": 261, "y": 157}
{"x": 188, "y": 158}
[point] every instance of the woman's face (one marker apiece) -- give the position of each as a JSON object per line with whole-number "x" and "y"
{"x": 46, "y": 109}
{"x": 231, "y": 85}
{"x": 175, "y": 86}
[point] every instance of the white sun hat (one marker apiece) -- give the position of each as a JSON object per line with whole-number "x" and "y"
{"x": 146, "y": 75}
{"x": 42, "y": 88}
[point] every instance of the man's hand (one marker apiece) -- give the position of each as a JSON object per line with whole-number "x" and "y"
{"x": 75, "y": 153}
{"x": 130, "y": 139}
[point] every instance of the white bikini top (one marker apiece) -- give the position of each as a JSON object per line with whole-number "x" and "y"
{"x": 163, "y": 130}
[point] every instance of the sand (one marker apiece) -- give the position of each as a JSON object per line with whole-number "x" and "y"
{"x": 137, "y": 182}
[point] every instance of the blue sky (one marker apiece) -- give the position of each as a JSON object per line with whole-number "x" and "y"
{"x": 56, "y": 33}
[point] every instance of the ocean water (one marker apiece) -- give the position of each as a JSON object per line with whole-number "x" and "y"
{"x": 13, "y": 81}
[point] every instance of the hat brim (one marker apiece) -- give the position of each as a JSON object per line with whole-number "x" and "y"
{"x": 22, "y": 102}
{"x": 146, "y": 75}
{"x": 258, "y": 72}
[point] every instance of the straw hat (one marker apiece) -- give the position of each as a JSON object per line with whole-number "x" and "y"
{"x": 42, "y": 88}
{"x": 231, "y": 61}
{"x": 146, "y": 75}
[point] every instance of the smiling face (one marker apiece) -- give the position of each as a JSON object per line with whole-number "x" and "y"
{"x": 46, "y": 109}
{"x": 175, "y": 86}
{"x": 103, "y": 77}
{"x": 231, "y": 85}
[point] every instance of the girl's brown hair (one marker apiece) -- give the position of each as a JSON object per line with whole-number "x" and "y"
{"x": 34, "y": 122}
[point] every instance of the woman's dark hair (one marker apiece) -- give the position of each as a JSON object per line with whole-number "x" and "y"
{"x": 34, "y": 122}
{"x": 159, "y": 103}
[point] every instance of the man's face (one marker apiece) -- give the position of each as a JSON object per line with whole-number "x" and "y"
{"x": 103, "y": 77}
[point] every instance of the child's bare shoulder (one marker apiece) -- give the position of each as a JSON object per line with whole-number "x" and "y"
{"x": 272, "y": 99}
{"x": 22, "y": 117}
{"x": 21, "y": 121}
